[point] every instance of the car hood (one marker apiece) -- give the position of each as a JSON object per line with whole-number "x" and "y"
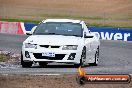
{"x": 53, "y": 40}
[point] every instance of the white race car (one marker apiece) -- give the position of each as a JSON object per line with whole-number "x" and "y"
{"x": 61, "y": 41}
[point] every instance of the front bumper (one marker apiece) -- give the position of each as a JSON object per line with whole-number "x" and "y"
{"x": 61, "y": 56}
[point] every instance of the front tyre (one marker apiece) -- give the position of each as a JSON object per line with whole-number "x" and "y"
{"x": 25, "y": 64}
{"x": 96, "y": 58}
{"x": 43, "y": 64}
{"x": 83, "y": 58}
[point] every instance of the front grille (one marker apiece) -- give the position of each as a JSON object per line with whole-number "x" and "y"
{"x": 55, "y": 46}
{"x": 57, "y": 56}
{"x": 45, "y": 46}
{"x": 49, "y": 46}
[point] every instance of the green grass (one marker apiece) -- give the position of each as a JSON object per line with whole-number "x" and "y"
{"x": 109, "y": 25}
{"x": 4, "y": 57}
{"x": 19, "y": 20}
{"x": 67, "y": 16}
{"x": 71, "y": 16}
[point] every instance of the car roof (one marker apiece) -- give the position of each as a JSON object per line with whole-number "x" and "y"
{"x": 62, "y": 20}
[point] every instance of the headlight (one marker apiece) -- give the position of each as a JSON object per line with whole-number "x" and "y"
{"x": 28, "y": 45}
{"x": 70, "y": 47}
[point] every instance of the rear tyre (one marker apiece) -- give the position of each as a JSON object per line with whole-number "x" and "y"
{"x": 95, "y": 63}
{"x": 25, "y": 64}
{"x": 96, "y": 58}
{"x": 43, "y": 64}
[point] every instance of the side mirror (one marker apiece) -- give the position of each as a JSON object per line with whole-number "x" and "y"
{"x": 32, "y": 30}
{"x": 89, "y": 31}
{"x": 29, "y": 33}
{"x": 88, "y": 36}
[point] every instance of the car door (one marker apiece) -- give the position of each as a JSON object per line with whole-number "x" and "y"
{"x": 93, "y": 46}
{"x": 89, "y": 48}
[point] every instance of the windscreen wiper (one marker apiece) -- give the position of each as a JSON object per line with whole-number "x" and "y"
{"x": 54, "y": 34}
{"x": 76, "y": 35}
{"x": 51, "y": 33}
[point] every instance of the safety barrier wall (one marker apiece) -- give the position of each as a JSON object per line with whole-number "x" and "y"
{"x": 105, "y": 33}
{"x": 110, "y": 33}
{"x": 11, "y": 27}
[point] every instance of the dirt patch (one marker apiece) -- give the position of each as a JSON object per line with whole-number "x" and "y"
{"x": 4, "y": 57}
{"x": 8, "y": 59}
{"x": 62, "y": 81}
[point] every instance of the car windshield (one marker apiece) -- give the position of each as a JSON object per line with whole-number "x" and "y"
{"x": 59, "y": 28}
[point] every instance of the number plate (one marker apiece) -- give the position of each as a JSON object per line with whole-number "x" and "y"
{"x": 49, "y": 54}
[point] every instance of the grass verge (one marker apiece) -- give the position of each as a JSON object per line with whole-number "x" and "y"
{"x": 19, "y": 20}
{"x": 73, "y": 16}
{"x": 90, "y": 24}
